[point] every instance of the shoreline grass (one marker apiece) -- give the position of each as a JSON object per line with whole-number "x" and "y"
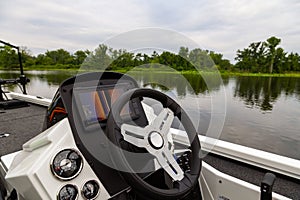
{"x": 157, "y": 70}
{"x": 289, "y": 74}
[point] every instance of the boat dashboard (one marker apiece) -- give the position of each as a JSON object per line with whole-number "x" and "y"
{"x": 88, "y": 100}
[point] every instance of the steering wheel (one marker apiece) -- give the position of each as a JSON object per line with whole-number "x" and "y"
{"x": 153, "y": 139}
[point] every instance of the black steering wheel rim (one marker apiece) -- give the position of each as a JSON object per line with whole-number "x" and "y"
{"x": 113, "y": 131}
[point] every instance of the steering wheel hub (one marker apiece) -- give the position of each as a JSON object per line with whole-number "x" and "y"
{"x": 156, "y": 140}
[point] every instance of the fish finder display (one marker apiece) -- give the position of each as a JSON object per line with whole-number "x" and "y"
{"x": 95, "y": 105}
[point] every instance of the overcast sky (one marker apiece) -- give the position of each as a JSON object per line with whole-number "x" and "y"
{"x": 219, "y": 25}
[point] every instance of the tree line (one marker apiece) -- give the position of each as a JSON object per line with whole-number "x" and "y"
{"x": 258, "y": 57}
{"x": 59, "y": 58}
{"x": 267, "y": 57}
{"x": 105, "y": 57}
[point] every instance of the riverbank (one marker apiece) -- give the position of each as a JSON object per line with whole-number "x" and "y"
{"x": 261, "y": 74}
{"x": 157, "y": 70}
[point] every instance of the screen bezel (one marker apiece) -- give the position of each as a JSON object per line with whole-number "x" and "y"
{"x": 90, "y": 125}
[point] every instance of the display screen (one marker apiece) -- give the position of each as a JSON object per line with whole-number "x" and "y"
{"x": 95, "y": 105}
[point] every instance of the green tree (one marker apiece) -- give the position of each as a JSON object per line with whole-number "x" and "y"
{"x": 41, "y": 59}
{"x": 200, "y": 59}
{"x": 292, "y": 62}
{"x": 99, "y": 59}
{"x": 80, "y": 56}
{"x": 138, "y": 59}
{"x": 263, "y": 57}
{"x": 8, "y": 57}
{"x": 167, "y": 58}
{"x": 272, "y": 43}
{"x": 27, "y": 58}
{"x": 279, "y": 61}
{"x": 60, "y": 56}
{"x": 251, "y": 59}
{"x": 125, "y": 61}
{"x": 184, "y": 52}
{"x": 183, "y": 62}
{"x": 115, "y": 54}
{"x": 223, "y": 64}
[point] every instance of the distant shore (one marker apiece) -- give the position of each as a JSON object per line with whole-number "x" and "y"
{"x": 223, "y": 73}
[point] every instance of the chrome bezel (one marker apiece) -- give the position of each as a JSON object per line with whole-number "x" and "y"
{"x": 97, "y": 192}
{"x": 75, "y": 175}
{"x": 57, "y": 197}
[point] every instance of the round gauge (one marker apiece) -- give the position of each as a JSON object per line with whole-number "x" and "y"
{"x": 68, "y": 192}
{"x": 90, "y": 190}
{"x": 67, "y": 164}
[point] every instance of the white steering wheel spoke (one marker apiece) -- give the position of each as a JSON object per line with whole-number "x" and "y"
{"x": 170, "y": 165}
{"x": 163, "y": 121}
{"x": 181, "y": 151}
{"x": 134, "y": 135}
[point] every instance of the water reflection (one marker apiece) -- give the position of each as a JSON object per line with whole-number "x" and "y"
{"x": 42, "y": 83}
{"x": 183, "y": 84}
{"x": 256, "y": 92}
{"x": 262, "y": 92}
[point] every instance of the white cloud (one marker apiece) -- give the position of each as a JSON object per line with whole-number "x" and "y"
{"x": 223, "y": 26}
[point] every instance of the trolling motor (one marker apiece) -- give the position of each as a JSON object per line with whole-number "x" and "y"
{"x": 22, "y": 80}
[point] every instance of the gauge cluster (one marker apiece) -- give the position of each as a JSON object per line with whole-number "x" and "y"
{"x": 55, "y": 164}
{"x": 66, "y": 165}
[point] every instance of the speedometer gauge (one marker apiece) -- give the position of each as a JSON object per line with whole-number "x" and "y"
{"x": 67, "y": 164}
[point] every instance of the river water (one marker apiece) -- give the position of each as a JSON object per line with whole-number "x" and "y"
{"x": 258, "y": 112}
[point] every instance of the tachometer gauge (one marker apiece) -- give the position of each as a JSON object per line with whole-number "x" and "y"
{"x": 67, "y": 164}
{"x": 90, "y": 190}
{"x": 68, "y": 192}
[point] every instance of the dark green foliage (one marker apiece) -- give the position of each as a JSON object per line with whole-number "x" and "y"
{"x": 266, "y": 57}
{"x": 56, "y": 59}
{"x": 107, "y": 58}
{"x": 8, "y": 58}
{"x": 259, "y": 57}
{"x": 222, "y": 64}
{"x": 197, "y": 59}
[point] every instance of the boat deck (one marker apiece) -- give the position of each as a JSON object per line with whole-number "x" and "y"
{"x": 24, "y": 123}
{"x": 21, "y": 124}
